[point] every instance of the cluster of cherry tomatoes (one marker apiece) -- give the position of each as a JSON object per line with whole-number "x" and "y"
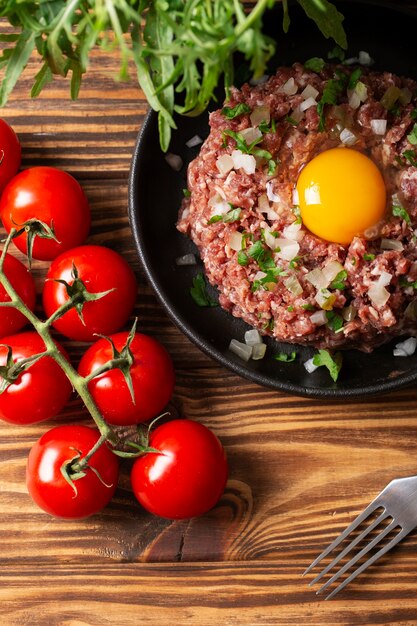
{"x": 185, "y": 471}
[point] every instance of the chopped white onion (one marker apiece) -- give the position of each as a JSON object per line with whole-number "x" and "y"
{"x": 252, "y": 337}
{"x": 259, "y": 275}
{"x": 289, "y": 87}
{"x": 306, "y": 104}
{"x": 245, "y": 162}
{"x": 220, "y": 208}
{"x": 347, "y": 137}
{"x": 235, "y": 241}
{"x": 351, "y": 61}
{"x": 325, "y": 299}
{"x": 270, "y": 239}
{"x": 309, "y": 92}
{"x": 331, "y": 270}
{"x": 365, "y": 58}
{"x": 251, "y": 134}
{"x": 384, "y": 279}
{"x": 186, "y": 259}
{"x": 258, "y": 351}
{"x": 293, "y": 285}
{"x": 288, "y": 249}
{"x": 406, "y": 348}
{"x": 319, "y": 318}
{"x": 362, "y": 90}
{"x": 317, "y": 278}
{"x": 293, "y": 231}
{"x": 309, "y": 365}
{"x": 273, "y": 197}
{"x": 349, "y": 313}
{"x": 378, "y": 295}
{"x": 240, "y": 349}
{"x": 260, "y": 114}
{"x": 174, "y": 161}
{"x": 354, "y": 99}
{"x": 297, "y": 114}
{"x": 379, "y": 127}
{"x": 295, "y": 197}
{"x": 194, "y": 141}
{"x": 391, "y": 244}
{"x": 224, "y": 163}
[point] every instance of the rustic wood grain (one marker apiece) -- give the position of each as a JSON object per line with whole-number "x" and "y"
{"x": 300, "y": 469}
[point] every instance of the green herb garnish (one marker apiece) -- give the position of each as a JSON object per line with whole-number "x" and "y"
{"x": 248, "y": 149}
{"x": 308, "y": 307}
{"x": 354, "y": 78}
{"x": 399, "y": 211}
{"x": 334, "y": 321}
{"x": 198, "y": 292}
{"x": 332, "y": 90}
{"x": 339, "y": 280}
{"x": 368, "y": 256}
{"x": 315, "y": 64}
{"x": 239, "y": 109}
{"x": 337, "y": 53}
{"x": 333, "y": 363}
{"x": 412, "y": 137}
{"x": 283, "y": 357}
{"x": 186, "y": 193}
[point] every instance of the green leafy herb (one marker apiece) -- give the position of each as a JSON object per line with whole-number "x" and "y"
{"x": 291, "y": 120}
{"x": 186, "y": 193}
{"x": 248, "y": 149}
{"x": 410, "y": 156}
{"x": 333, "y": 363}
{"x": 399, "y": 211}
{"x": 239, "y": 109}
{"x": 183, "y": 46}
{"x": 263, "y": 256}
{"x": 413, "y": 114}
{"x": 315, "y": 64}
{"x": 283, "y": 357}
{"x": 272, "y": 167}
{"x": 308, "y": 307}
{"x": 354, "y": 78}
{"x": 331, "y": 92}
{"x": 412, "y": 137}
{"x": 290, "y": 308}
{"x": 198, "y": 292}
{"x": 265, "y": 128}
{"x": 339, "y": 280}
{"x": 368, "y": 256}
{"x": 337, "y": 53}
{"x": 229, "y": 217}
{"x": 242, "y": 258}
{"x": 404, "y": 283}
{"x": 334, "y": 321}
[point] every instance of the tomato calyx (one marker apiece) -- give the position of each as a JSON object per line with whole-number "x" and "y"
{"x": 76, "y": 467}
{"x": 140, "y": 442}
{"x": 11, "y": 371}
{"x": 35, "y": 228}
{"x": 121, "y": 359}
{"x": 78, "y": 295}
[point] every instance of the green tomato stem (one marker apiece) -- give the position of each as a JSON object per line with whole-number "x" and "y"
{"x": 78, "y": 382}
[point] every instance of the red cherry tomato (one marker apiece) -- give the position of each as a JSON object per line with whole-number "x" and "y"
{"x": 40, "y": 392}
{"x": 53, "y": 197}
{"x": 10, "y": 154}
{"x": 187, "y": 477}
{"x": 11, "y": 320}
{"x": 49, "y": 488}
{"x": 152, "y": 376}
{"x": 100, "y": 269}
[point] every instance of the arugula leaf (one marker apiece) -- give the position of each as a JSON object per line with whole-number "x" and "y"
{"x": 333, "y": 363}
{"x": 239, "y": 109}
{"x": 283, "y": 357}
{"x": 198, "y": 292}
{"x": 327, "y": 18}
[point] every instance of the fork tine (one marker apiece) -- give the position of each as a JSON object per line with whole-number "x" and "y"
{"x": 356, "y": 522}
{"x": 351, "y": 545}
{"x": 360, "y": 554}
{"x": 369, "y": 562}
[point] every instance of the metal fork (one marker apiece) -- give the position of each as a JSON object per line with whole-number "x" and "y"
{"x": 398, "y": 502}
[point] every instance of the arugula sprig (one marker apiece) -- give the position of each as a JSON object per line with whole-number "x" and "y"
{"x": 183, "y": 46}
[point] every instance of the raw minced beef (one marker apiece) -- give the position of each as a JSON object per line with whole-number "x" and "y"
{"x": 240, "y": 203}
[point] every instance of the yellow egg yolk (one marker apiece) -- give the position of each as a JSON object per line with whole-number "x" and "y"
{"x": 341, "y": 194}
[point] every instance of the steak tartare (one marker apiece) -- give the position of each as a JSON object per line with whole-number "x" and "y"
{"x": 264, "y": 242}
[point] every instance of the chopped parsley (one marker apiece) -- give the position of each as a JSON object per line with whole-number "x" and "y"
{"x": 186, "y": 193}
{"x": 308, "y": 307}
{"x": 290, "y": 308}
{"x": 199, "y": 293}
{"x": 315, "y": 64}
{"x": 242, "y": 258}
{"x": 229, "y": 217}
{"x": 291, "y": 120}
{"x": 339, "y": 280}
{"x": 368, "y": 256}
{"x": 410, "y": 156}
{"x": 294, "y": 262}
{"x": 413, "y": 114}
{"x": 354, "y": 78}
{"x": 239, "y": 109}
{"x": 264, "y": 258}
{"x": 297, "y": 212}
{"x": 334, "y": 321}
{"x": 333, "y": 363}
{"x": 283, "y": 357}
{"x": 412, "y": 137}
{"x": 399, "y": 211}
{"x": 245, "y": 148}
{"x": 265, "y": 128}
{"x": 272, "y": 167}
{"x": 337, "y": 53}
{"x": 404, "y": 283}
{"x": 331, "y": 93}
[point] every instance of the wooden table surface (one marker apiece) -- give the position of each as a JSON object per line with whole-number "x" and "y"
{"x": 300, "y": 469}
